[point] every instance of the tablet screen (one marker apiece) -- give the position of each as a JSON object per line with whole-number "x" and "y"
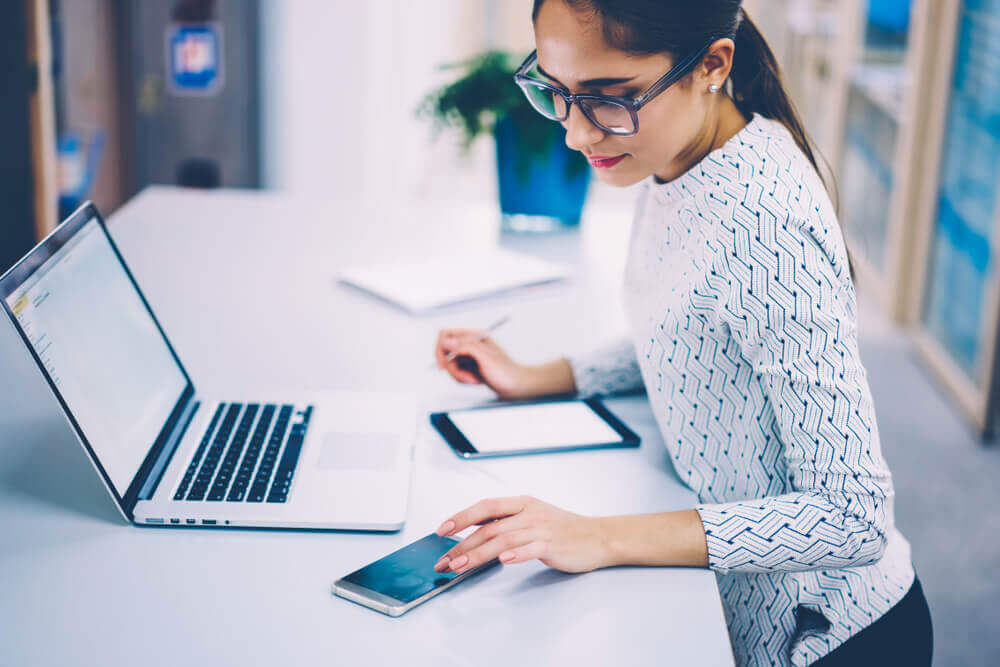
{"x": 538, "y": 426}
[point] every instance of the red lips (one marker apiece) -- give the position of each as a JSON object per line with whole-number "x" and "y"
{"x": 602, "y": 162}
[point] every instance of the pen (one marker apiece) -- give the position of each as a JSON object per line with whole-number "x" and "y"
{"x": 493, "y": 327}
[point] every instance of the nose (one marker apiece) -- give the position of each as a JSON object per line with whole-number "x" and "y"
{"x": 580, "y": 131}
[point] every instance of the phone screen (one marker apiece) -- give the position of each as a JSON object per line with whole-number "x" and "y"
{"x": 408, "y": 573}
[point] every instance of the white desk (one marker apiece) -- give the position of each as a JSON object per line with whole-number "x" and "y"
{"x": 243, "y": 283}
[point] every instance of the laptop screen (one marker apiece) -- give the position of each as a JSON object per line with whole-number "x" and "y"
{"x": 101, "y": 348}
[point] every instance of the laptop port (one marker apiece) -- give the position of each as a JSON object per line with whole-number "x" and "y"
{"x": 175, "y": 521}
{"x": 154, "y": 520}
{"x": 192, "y": 521}
{"x": 208, "y": 522}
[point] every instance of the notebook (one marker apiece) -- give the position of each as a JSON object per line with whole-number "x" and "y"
{"x": 435, "y": 282}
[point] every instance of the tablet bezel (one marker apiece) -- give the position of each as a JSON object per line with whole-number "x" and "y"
{"x": 465, "y": 449}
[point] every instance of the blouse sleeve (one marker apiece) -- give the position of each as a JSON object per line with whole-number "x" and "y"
{"x": 610, "y": 369}
{"x": 789, "y": 304}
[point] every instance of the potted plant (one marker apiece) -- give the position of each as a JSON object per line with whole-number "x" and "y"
{"x": 542, "y": 183}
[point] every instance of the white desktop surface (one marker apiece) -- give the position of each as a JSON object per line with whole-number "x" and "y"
{"x": 244, "y": 285}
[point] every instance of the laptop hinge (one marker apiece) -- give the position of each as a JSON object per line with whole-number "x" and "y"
{"x": 148, "y": 488}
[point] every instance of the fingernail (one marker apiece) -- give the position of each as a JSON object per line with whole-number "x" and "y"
{"x": 446, "y": 527}
{"x": 459, "y": 563}
{"x": 507, "y": 556}
{"x": 440, "y": 565}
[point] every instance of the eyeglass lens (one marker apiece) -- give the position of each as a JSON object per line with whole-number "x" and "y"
{"x": 607, "y": 115}
{"x": 610, "y": 116}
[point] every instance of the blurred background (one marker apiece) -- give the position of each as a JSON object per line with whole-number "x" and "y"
{"x": 319, "y": 98}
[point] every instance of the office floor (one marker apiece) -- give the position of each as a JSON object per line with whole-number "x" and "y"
{"x": 947, "y": 496}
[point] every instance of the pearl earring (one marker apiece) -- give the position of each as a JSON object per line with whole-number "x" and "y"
{"x": 713, "y": 88}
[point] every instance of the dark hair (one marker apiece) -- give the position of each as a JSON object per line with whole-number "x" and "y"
{"x": 679, "y": 27}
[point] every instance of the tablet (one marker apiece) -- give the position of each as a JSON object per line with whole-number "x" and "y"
{"x": 532, "y": 428}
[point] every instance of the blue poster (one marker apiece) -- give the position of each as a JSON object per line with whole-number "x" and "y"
{"x": 963, "y": 255}
{"x": 194, "y": 58}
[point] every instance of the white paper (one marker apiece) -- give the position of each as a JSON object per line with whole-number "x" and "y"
{"x": 433, "y": 283}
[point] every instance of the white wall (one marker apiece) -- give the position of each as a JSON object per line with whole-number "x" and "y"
{"x": 308, "y": 65}
{"x": 342, "y": 80}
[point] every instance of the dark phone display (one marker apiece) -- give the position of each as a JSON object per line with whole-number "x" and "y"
{"x": 408, "y": 573}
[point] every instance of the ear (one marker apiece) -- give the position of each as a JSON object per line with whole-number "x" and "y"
{"x": 717, "y": 63}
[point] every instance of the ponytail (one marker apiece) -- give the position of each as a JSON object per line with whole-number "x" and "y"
{"x": 757, "y": 87}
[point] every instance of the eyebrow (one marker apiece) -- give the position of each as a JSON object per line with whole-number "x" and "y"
{"x": 590, "y": 83}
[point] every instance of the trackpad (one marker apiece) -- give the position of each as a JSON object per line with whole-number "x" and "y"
{"x": 358, "y": 451}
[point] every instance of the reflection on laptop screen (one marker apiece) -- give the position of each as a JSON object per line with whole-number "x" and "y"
{"x": 101, "y": 349}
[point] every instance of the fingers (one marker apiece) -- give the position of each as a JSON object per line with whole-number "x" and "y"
{"x": 448, "y": 339}
{"x": 464, "y": 371}
{"x": 531, "y": 551}
{"x": 482, "y": 535}
{"x": 467, "y": 363}
{"x": 439, "y": 351}
{"x": 460, "y": 333}
{"x": 502, "y": 543}
{"x": 445, "y": 354}
{"x": 484, "y": 510}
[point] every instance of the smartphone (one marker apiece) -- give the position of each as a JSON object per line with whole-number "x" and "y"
{"x": 405, "y": 578}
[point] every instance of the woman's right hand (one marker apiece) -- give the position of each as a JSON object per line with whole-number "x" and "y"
{"x": 479, "y": 360}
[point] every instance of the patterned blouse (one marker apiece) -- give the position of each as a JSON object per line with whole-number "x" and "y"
{"x": 744, "y": 334}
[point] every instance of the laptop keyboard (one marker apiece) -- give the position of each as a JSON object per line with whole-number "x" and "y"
{"x": 231, "y": 462}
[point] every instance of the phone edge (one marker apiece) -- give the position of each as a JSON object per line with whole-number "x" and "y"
{"x": 369, "y": 598}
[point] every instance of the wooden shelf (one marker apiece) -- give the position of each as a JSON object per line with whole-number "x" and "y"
{"x": 43, "y": 122}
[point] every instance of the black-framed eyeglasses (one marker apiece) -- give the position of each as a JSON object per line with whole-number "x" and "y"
{"x": 610, "y": 113}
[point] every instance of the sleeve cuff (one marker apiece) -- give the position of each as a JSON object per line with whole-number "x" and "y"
{"x": 611, "y": 369}
{"x": 711, "y": 518}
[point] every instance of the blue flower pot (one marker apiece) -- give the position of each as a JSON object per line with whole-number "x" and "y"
{"x": 538, "y": 193}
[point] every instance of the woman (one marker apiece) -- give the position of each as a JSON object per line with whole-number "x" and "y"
{"x": 743, "y": 331}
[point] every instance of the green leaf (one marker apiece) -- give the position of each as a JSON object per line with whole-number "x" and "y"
{"x": 485, "y": 92}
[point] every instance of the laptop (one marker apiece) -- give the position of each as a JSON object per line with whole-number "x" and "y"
{"x": 172, "y": 457}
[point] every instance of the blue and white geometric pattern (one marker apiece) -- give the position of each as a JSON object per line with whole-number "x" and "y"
{"x": 744, "y": 332}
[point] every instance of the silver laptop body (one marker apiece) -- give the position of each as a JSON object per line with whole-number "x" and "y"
{"x": 172, "y": 457}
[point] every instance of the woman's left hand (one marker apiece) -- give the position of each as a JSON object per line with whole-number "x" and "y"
{"x": 523, "y": 528}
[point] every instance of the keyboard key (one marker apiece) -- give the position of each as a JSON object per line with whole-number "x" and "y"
{"x": 260, "y": 482}
{"x": 193, "y": 465}
{"x": 289, "y": 460}
{"x": 242, "y": 479}
{"x": 233, "y": 453}
{"x": 235, "y": 465}
{"x": 207, "y": 470}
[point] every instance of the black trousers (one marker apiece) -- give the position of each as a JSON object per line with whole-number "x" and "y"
{"x": 902, "y": 636}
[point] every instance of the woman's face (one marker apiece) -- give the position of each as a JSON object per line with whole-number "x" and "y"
{"x": 572, "y": 51}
